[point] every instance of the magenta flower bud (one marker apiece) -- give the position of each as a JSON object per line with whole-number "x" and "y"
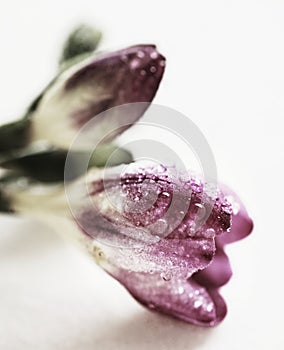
{"x": 160, "y": 233}
{"x": 163, "y": 238}
{"x": 93, "y": 86}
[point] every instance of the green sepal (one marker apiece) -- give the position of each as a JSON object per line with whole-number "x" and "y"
{"x": 83, "y": 41}
{"x": 49, "y": 165}
{"x": 15, "y": 135}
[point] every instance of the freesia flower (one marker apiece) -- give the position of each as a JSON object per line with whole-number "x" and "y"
{"x": 161, "y": 235}
{"x": 160, "y": 232}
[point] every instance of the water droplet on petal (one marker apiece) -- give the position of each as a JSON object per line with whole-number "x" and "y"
{"x": 166, "y": 194}
{"x": 154, "y": 55}
{"x": 140, "y": 54}
{"x": 209, "y": 307}
{"x": 134, "y": 63}
{"x": 153, "y": 69}
{"x": 209, "y": 233}
{"x": 197, "y": 303}
{"x": 161, "y": 226}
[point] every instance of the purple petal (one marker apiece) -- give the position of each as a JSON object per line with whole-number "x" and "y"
{"x": 182, "y": 299}
{"x": 168, "y": 273}
{"x": 162, "y": 205}
{"x": 125, "y": 76}
{"x": 95, "y": 85}
{"x": 219, "y": 272}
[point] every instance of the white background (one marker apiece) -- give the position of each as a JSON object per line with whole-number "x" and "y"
{"x": 225, "y": 70}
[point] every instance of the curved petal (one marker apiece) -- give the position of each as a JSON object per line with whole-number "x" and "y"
{"x": 219, "y": 272}
{"x": 93, "y": 86}
{"x": 186, "y": 300}
{"x": 160, "y": 271}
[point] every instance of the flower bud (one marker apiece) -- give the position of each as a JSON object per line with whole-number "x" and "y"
{"x": 160, "y": 234}
{"x": 93, "y": 86}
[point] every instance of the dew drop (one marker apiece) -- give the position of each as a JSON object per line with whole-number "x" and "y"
{"x": 209, "y": 307}
{"x": 124, "y": 58}
{"x": 209, "y": 233}
{"x": 201, "y": 213}
{"x": 140, "y": 54}
{"x": 161, "y": 226}
{"x": 197, "y": 303}
{"x": 154, "y": 55}
{"x": 166, "y": 194}
{"x": 153, "y": 69}
{"x": 134, "y": 63}
{"x": 143, "y": 72}
{"x": 199, "y": 205}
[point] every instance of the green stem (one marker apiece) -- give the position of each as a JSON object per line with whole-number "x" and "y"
{"x": 14, "y": 136}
